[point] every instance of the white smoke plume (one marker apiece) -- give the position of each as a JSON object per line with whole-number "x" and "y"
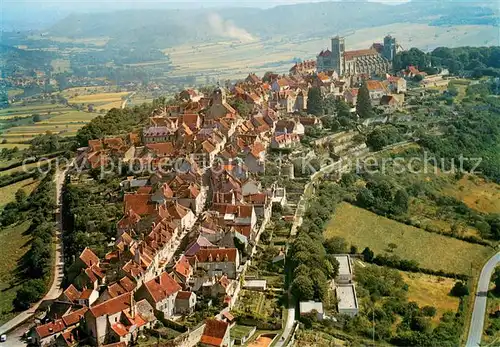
{"x": 227, "y": 28}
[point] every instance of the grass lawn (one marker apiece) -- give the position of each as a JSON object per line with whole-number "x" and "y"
{"x": 366, "y": 229}
{"x": 239, "y": 331}
{"x": 14, "y": 246}
{"x": 8, "y": 193}
{"x": 427, "y": 290}
{"x": 476, "y": 193}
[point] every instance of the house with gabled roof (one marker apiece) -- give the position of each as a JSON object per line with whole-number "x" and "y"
{"x": 216, "y": 334}
{"x": 160, "y": 292}
{"x": 218, "y": 261}
{"x": 255, "y": 158}
{"x": 117, "y": 320}
{"x": 285, "y": 140}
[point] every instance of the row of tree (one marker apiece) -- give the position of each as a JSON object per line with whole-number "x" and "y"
{"x": 37, "y": 264}
{"x": 312, "y": 265}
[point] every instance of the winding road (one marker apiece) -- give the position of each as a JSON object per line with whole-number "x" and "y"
{"x": 55, "y": 288}
{"x": 477, "y": 322}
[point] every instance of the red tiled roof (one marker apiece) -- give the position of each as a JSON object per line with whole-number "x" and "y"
{"x": 214, "y": 332}
{"x": 115, "y": 290}
{"x": 257, "y": 149}
{"x": 139, "y": 203}
{"x": 127, "y": 284}
{"x": 74, "y": 317}
{"x": 374, "y": 85}
{"x": 72, "y": 293}
{"x": 89, "y": 257}
{"x": 183, "y": 267}
{"x": 183, "y": 295}
{"x": 228, "y": 315}
{"x": 244, "y": 230}
{"x": 119, "y": 329}
{"x": 259, "y": 198}
{"x": 217, "y": 255}
{"x": 162, "y": 149}
{"x": 162, "y": 287}
{"x": 86, "y": 294}
{"x": 112, "y": 306}
{"x": 50, "y": 328}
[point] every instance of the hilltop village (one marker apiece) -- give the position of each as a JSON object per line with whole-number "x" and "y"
{"x": 217, "y": 181}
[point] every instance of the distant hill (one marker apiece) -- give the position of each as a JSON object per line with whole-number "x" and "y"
{"x": 167, "y": 28}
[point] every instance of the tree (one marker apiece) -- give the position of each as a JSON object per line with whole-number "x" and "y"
{"x": 315, "y": 102}
{"x": 363, "y": 104}
{"x": 496, "y": 279}
{"x": 429, "y": 311}
{"x": 30, "y": 292}
{"x": 303, "y": 288}
{"x": 365, "y": 198}
{"x": 459, "y": 289}
{"x": 37, "y": 118}
{"x": 343, "y": 109}
{"x": 348, "y": 179}
{"x": 21, "y": 196}
{"x": 368, "y": 255}
{"x": 335, "y": 245}
{"x": 243, "y": 108}
{"x": 401, "y": 201}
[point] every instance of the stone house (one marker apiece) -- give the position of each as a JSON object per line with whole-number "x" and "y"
{"x": 218, "y": 261}
{"x": 160, "y": 292}
{"x": 255, "y": 159}
{"x": 185, "y": 302}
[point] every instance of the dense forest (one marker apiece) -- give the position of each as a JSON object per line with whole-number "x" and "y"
{"x": 471, "y": 61}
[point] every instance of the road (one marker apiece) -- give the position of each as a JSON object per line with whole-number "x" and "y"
{"x": 290, "y": 320}
{"x": 55, "y": 288}
{"x": 124, "y": 103}
{"x": 477, "y": 322}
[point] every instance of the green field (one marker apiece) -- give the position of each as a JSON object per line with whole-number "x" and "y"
{"x": 15, "y": 243}
{"x": 239, "y": 331}
{"x": 58, "y": 119}
{"x": 366, "y": 229}
{"x": 8, "y": 193}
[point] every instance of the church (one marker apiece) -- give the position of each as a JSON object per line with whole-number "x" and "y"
{"x": 375, "y": 60}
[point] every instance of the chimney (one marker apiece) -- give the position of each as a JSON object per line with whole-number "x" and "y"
{"x": 132, "y": 305}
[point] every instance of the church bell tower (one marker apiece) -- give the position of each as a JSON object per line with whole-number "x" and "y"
{"x": 338, "y": 49}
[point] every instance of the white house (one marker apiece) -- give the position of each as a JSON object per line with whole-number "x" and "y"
{"x": 310, "y": 306}
{"x": 347, "y": 300}
{"x": 218, "y": 261}
{"x": 345, "y": 269}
